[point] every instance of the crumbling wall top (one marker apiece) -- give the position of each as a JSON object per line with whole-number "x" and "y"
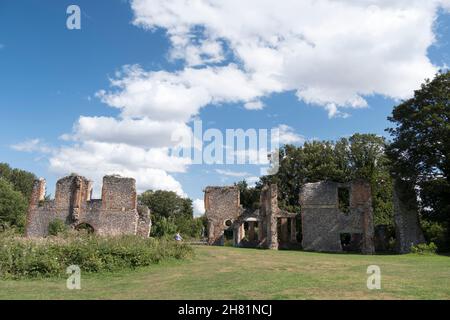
{"x": 65, "y": 188}
{"x": 119, "y": 193}
{"x": 319, "y": 193}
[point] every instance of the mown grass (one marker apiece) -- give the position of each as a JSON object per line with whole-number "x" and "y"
{"x": 232, "y": 273}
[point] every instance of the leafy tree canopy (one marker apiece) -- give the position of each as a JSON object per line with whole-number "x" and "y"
{"x": 362, "y": 156}
{"x": 21, "y": 180}
{"x": 171, "y": 213}
{"x": 420, "y": 151}
{"x": 166, "y": 204}
{"x": 13, "y": 206}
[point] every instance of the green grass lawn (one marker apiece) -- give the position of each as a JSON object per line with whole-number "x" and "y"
{"x": 232, "y": 273}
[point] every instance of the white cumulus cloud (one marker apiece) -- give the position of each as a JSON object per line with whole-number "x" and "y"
{"x": 331, "y": 53}
{"x": 32, "y": 145}
{"x": 199, "y": 207}
{"x": 287, "y": 135}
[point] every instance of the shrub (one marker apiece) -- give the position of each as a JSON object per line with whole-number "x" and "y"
{"x": 164, "y": 227}
{"x": 20, "y": 257}
{"x": 190, "y": 228}
{"x": 436, "y": 232}
{"x": 56, "y": 227}
{"x": 424, "y": 248}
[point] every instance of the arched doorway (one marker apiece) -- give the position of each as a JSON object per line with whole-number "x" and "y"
{"x": 85, "y": 227}
{"x": 228, "y": 233}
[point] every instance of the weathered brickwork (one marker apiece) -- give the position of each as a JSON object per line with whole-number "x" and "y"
{"x": 257, "y": 228}
{"x": 268, "y": 212}
{"x": 328, "y": 225}
{"x": 407, "y": 228}
{"x": 222, "y": 206}
{"x": 324, "y": 224}
{"x": 144, "y": 222}
{"x": 115, "y": 214}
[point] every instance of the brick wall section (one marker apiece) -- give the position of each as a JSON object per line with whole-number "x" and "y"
{"x": 115, "y": 214}
{"x": 221, "y": 204}
{"x": 323, "y": 222}
{"x": 67, "y": 195}
{"x": 361, "y": 205}
{"x": 40, "y": 212}
{"x": 119, "y": 193}
{"x": 269, "y": 212}
{"x": 144, "y": 221}
{"x": 407, "y": 228}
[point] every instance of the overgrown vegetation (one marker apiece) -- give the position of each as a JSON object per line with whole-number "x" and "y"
{"x": 22, "y": 258}
{"x": 420, "y": 151}
{"x": 171, "y": 213}
{"x": 359, "y": 157}
{"x": 57, "y": 227}
{"x": 15, "y": 191}
{"x": 21, "y": 180}
{"x": 13, "y": 206}
{"x": 424, "y": 248}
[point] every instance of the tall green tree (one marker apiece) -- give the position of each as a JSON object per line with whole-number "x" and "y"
{"x": 249, "y": 196}
{"x": 166, "y": 204}
{"x": 368, "y": 161}
{"x": 21, "y": 180}
{"x": 420, "y": 151}
{"x": 15, "y": 191}
{"x": 362, "y": 156}
{"x": 13, "y": 206}
{"x": 171, "y": 213}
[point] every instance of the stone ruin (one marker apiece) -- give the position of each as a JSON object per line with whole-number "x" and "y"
{"x": 335, "y": 217}
{"x": 268, "y": 227}
{"x": 408, "y": 232}
{"x": 116, "y": 213}
{"x": 329, "y": 217}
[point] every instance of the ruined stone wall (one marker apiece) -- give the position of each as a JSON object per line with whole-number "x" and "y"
{"x": 115, "y": 214}
{"x": 221, "y": 204}
{"x": 41, "y": 212}
{"x": 407, "y": 228}
{"x": 119, "y": 193}
{"x": 269, "y": 212}
{"x": 320, "y": 217}
{"x": 323, "y": 222}
{"x": 144, "y": 221}
{"x": 361, "y": 206}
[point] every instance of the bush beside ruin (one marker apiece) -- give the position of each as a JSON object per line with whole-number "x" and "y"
{"x": 25, "y": 258}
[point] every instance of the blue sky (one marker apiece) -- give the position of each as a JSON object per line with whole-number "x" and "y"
{"x": 336, "y": 84}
